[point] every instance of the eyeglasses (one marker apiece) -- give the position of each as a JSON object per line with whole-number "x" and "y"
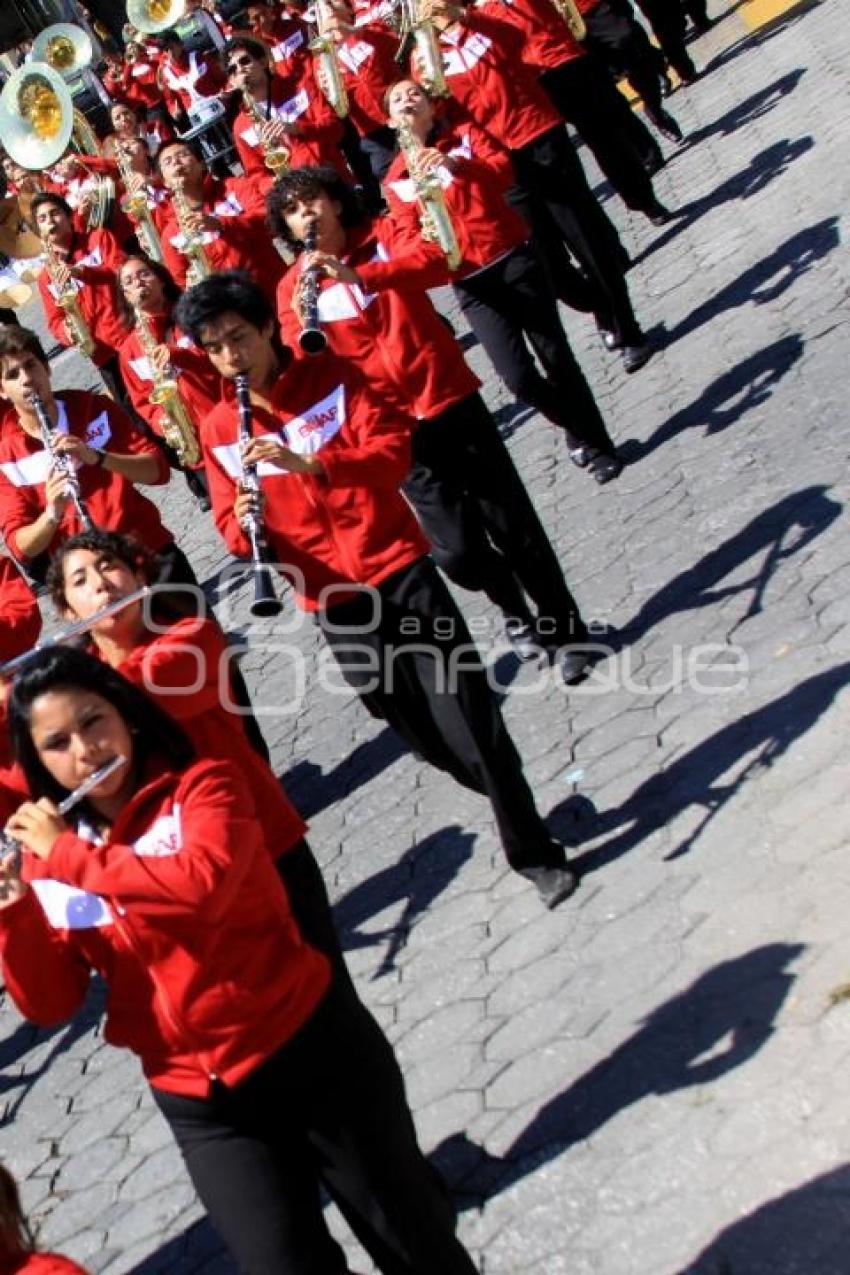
{"x": 240, "y": 64}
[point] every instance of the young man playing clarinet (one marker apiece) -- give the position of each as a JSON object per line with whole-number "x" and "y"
{"x": 330, "y": 458}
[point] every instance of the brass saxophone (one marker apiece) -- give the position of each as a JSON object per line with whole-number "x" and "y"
{"x": 67, "y": 300}
{"x": 434, "y": 216}
{"x": 193, "y": 244}
{"x": 427, "y": 44}
{"x": 276, "y": 157}
{"x": 177, "y": 427}
{"x": 571, "y": 14}
{"x": 136, "y": 208}
{"x": 328, "y": 72}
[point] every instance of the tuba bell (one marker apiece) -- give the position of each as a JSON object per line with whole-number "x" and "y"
{"x": 68, "y": 49}
{"x": 153, "y": 16}
{"x": 36, "y": 116}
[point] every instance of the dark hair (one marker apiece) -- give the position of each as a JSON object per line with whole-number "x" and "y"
{"x": 404, "y": 79}
{"x": 170, "y": 290}
{"x": 256, "y": 48}
{"x": 124, "y": 549}
{"x": 128, "y": 106}
{"x": 56, "y": 668}
{"x": 231, "y": 290}
{"x": 169, "y": 143}
{"x": 15, "y": 1235}
{"x": 307, "y": 183}
{"x": 50, "y": 197}
{"x": 17, "y": 340}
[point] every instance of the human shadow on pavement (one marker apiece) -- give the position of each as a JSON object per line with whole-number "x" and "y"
{"x": 696, "y": 777}
{"x": 313, "y": 789}
{"x": 727, "y": 399}
{"x": 718, "y": 1023}
{"x": 805, "y": 1230}
{"x": 419, "y": 877}
{"x": 749, "y": 109}
{"x": 753, "y": 40}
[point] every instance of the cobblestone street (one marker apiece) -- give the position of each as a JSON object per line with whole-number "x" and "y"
{"x": 652, "y": 1079}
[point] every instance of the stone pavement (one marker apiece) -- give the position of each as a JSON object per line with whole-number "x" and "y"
{"x": 649, "y": 1081}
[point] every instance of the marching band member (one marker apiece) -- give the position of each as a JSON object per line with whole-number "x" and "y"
{"x": 285, "y": 35}
{"x": 84, "y": 262}
{"x": 130, "y": 125}
{"x": 667, "y": 20}
{"x": 485, "y": 73}
{"x": 186, "y": 79}
{"x": 226, "y": 216}
{"x": 297, "y": 116}
{"x": 20, "y": 618}
{"x": 94, "y": 447}
{"x": 161, "y": 354}
{"x": 500, "y": 283}
{"x": 463, "y": 485}
{"x": 332, "y": 458}
{"x": 271, "y": 1074}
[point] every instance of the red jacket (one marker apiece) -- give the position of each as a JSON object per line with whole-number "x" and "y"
{"x": 487, "y": 228}
{"x": 114, "y": 503}
{"x": 192, "y": 657}
{"x": 241, "y": 242}
{"x": 96, "y": 255}
{"x": 485, "y": 73}
{"x": 367, "y": 60}
{"x": 297, "y": 100}
{"x": 388, "y": 326}
{"x": 350, "y": 527}
{"x": 197, "y": 380}
{"x": 39, "y": 1264}
{"x": 182, "y": 913}
{"x": 20, "y": 618}
{"x": 547, "y": 41}
{"x": 182, "y": 85}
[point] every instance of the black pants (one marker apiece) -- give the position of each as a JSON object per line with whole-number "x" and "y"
{"x": 406, "y": 650}
{"x": 330, "y": 1108}
{"x": 697, "y": 11}
{"x": 667, "y": 19}
{"x": 511, "y": 301}
{"x": 483, "y": 527}
{"x": 621, "y": 42}
{"x": 587, "y": 99}
{"x": 562, "y": 208}
{"x": 308, "y": 898}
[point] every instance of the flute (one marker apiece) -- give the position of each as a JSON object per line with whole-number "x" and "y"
{"x": 75, "y": 630}
{"x": 10, "y": 847}
{"x": 62, "y": 463}
{"x": 311, "y": 338}
{"x": 265, "y": 599}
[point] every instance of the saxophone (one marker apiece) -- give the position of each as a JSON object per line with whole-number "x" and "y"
{"x": 193, "y": 244}
{"x": 67, "y": 300}
{"x": 427, "y": 44}
{"x": 177, "y": 427}
{"x": 276, "y": 157}
{"x": 434, "y": 216}
{"x": 328, "y": 72}
{"x": 569, "y": 11}
{"x": 136, "y": 207}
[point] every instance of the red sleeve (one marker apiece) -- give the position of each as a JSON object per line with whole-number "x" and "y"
{"x": 20, "y": 618}
{"x": 128, "y": 440}
{"x": 222, "y": 493}
{"x": 415, "y": 269}
{"x": 50, "y": 1264}
{"x": 218, "y": 832}
{"x": 286, "y": 316}
{"x": 45, "y": 975}
{"x": 19, "y": 506}
{"x": 53, "y": 314}
{"x": 188, "y": 655}
{"x": 377, "y": 448}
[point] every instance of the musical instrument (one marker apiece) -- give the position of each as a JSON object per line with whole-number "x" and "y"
{"x": 569, "y": 11}
{"x": 427, "y": 45}
{"x": 153, "y": 16}
{"x": 311, "y": 338}
{"x": 276, "y": 157}
{"x": 36, "y": 116}
{"x": 177, "y": 426}
{"x": 434, "y": 216}
{"x": 193, "y": 243}
{"x": 10, "y": 847}
{"x": 62, "y": 463}
{"x": 328, "y": 72}
{"x": 136, "y": 208}
{"x": 65, "y": 47}
{"x": 78, "y": 629}
{"x": 67, "y": 300}
{"x": 265, "y": 599}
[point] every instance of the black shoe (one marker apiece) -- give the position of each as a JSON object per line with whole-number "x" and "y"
{"x": 605, "y": 468}
{"x": 635, "y": 356}
{"x": 552, "y": 884}
{"x": 573, "y": 665}
{"x": 658, "y": 214}
{"x": 666, "y": 85}
{"x": 666, "y": 125}
{"x": 523, "y": 638}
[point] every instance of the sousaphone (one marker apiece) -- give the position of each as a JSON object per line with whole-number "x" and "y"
{"x": 68, "y": 49}
{"x": 154, "y": 16}
{"x": 36, "y": 116}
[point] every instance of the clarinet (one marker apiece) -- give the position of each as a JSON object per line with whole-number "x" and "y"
{"x": 311, "y": 338}
{"x": 62, "y": 463}
{"x": 265, "y": 599}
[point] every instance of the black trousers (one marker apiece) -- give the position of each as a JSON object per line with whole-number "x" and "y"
{"x": 553, "y": 194}
{"x": 586, "y": 97}
{"x": 483, "y": 527}
{"x": 511, "y": 303}
{"x": 697, "y": 11}
{"x": 406, "y": 650}
{"x": 667, "y": 19}
{"x": 308, "y": 898}
{"x": 621, "y": 42}
{"x": 330, "y": 1108}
